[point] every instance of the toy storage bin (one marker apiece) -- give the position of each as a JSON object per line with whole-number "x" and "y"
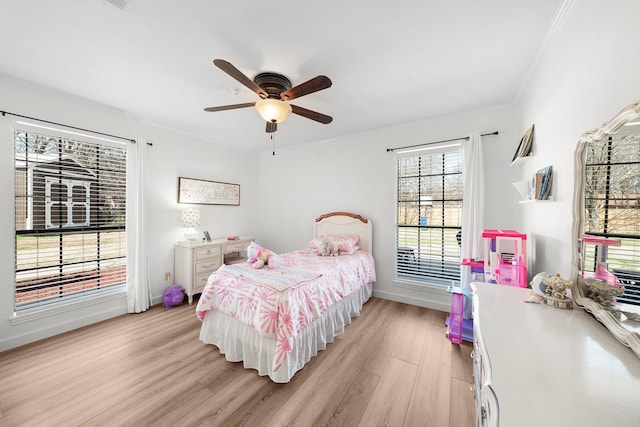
{"x": 455, "y": 319}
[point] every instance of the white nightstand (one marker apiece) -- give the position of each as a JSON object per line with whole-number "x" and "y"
{"x": 194, "y": 263}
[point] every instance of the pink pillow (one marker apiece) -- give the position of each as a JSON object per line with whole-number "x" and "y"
{"x": 315, "y": 243}
{"x": 346, "y": 242}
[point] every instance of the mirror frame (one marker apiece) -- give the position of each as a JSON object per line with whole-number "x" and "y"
{"x": 622, "y": 334}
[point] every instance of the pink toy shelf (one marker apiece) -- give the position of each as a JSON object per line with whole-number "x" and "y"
{"x": 505, "y": 263}
{"x": 505, "y": 257}
{"x": 600, "y": 253}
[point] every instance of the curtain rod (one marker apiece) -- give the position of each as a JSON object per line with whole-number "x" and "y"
{"x": 4, "y": 113}
{"x": 464, "y": 138}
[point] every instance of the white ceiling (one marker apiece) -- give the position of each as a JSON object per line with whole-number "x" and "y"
{"x": 390, "y": 63}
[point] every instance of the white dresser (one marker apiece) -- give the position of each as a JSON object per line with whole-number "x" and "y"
{"x": 536, "y": 365}
{"x": 195, "y": 263}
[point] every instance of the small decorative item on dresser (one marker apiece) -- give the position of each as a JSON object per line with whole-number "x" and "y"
{"x": 207, "y": 236}
{"x": 550, "y": 289}
{"x": 555, "y": 292}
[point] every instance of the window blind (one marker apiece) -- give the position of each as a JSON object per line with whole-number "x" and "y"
{"x": 612, "y": 207}
{"x": 70, "y": 204}
{"x": 429, "y": 216}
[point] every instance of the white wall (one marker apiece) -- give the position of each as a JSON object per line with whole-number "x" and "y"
{"x": 584, "y": 78}
{"x": 357, "y": 174}
{"x": 172, "y": 155}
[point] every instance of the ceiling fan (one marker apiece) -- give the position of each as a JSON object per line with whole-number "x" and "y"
{"x": 274, "y": 89}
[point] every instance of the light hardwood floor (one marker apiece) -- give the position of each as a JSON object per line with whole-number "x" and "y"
{"x": 393, "y": 366}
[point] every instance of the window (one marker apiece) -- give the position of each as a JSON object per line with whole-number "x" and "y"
{"x": 70, "y": 209}
{"x": 612, "y": 207}
{"x": 429, "y": 215}
{"x": 70, "y": 199}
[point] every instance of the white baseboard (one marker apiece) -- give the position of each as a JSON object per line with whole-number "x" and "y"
{"x": 59, "y": 328}
{"x": 431, "y": 300}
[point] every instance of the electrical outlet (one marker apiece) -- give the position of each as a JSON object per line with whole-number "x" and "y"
{"x": 167, "y": 276}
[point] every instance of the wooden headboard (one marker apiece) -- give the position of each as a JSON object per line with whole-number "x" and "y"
{"x": 346, "y": 223}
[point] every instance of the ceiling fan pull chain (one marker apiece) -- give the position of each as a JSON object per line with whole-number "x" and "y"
{"x": 273, "y": 146}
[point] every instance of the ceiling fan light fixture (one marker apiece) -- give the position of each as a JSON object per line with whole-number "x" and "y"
{"x": 273, "y": 110}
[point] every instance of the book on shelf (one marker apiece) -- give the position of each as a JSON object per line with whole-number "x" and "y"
{"x": 524, "y": 148}
{"x": 537, "y": 184}
{"x": 546, "y": 176}
{"x": 540, "y": 184}
{"x": 547, "y": 191}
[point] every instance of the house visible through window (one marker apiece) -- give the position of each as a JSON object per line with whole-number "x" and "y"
{"x": 429, "y": 215}
{"x": 612, "y": 207}
{"x": 70, "y": 219}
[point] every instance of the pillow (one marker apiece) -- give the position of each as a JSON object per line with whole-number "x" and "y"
{"x": 345, "y": 242}
{"x": 315, "y": 243}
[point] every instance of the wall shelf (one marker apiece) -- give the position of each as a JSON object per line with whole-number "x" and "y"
{"x": 520, "y": 160}
{"x": 528, "y": 201}
{"x": 539, "y": 185}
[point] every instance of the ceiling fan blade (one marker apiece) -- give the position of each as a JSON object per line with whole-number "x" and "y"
{"x": 313, "y": 115}
{"x": 239, "y": 76}
{"x": 230, "y": 107}
{"x": 310, "y": 86}
{"x": 272, "y": 127}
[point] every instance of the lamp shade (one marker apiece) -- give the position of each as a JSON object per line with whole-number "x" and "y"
{"x": 190, "y": 217}
{"x": 273, "y": 110}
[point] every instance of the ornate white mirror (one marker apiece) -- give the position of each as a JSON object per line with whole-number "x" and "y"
{"x": 606, "y": 225}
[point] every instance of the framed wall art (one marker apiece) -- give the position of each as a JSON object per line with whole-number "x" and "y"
{"x": 200, "y": 191}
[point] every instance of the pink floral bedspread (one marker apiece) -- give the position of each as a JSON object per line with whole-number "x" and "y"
{"x": 281, "y": 302}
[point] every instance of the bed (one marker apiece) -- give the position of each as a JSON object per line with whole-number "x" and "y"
{"x": 276, "y": 320}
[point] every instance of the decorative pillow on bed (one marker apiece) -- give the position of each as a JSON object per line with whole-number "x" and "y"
{"x": 315, "y": 243}
{"x": 346, "y": 242}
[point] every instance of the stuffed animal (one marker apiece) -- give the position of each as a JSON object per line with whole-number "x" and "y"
{"x": 323, "y": 247}
{"x": 173, "y": 295}
{"x": 327, "y": 248}
{"x": 259, "y": 256}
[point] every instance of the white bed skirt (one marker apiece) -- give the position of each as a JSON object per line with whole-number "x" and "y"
{"x": 239, "y": 342}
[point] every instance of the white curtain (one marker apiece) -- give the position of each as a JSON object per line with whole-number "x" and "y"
{"x": 473, "y": 207}
{"x": 138, "y": 286}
